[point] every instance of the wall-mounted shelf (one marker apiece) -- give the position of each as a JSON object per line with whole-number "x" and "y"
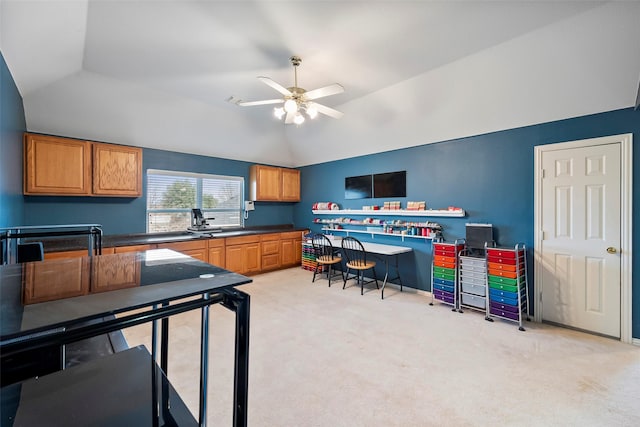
{"x": 376, "y": 233}
{"x": 400, "y": 212}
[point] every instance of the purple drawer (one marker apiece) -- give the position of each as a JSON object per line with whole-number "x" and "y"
{"x": 505, "y": 314}
{"x": 504, "y": 307}
{"x": 447, "y": 297}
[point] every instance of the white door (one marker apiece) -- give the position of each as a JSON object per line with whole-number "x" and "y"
{"x": 580, "y": 248}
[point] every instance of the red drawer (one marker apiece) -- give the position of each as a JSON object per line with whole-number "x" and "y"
{"x": 502, "y": 260}
{"x": 504, "y": 253}
{"x": 448, "y": 249}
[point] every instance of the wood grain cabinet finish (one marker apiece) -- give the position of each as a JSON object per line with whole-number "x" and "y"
{"x": 291, "y": 248}
{"x": 242, "y": 254}
{"x": 117, "y": 170}
{"x": 273, "y": 184}
{"x": 217, "y": 252}
{"x": 56, "y": 166}
{"x": 270, "y": 250}
{"x": 290, "y": 185}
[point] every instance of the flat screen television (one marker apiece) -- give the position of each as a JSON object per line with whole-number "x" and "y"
{"x": 392, "y": 184}
{"x": 357, "y": 187}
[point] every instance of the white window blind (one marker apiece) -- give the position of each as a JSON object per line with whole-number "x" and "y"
{"x": 171, "y": 195}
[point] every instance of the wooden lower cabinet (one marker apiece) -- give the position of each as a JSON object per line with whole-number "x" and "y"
{"x": 270, "y": 251}
{"x": 217, "y": 252}
{"x": 242, "y": 254}
{"x": 291, "y": 248}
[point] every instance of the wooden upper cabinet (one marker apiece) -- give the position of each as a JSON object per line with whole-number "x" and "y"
{"x": 290, "y": 185}
{"x": 117, "y": 170}
{"x": 273, "y": 184}
{"x": 56, "y": 166}
{"x": 265, "y": 183}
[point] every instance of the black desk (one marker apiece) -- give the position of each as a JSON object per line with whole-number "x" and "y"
{"x": 51, "y": 303}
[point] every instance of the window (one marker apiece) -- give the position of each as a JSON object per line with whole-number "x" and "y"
{"x": 171, "y": 196}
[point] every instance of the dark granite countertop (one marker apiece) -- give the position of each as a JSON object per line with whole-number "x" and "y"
{"x": 108, "y": 241}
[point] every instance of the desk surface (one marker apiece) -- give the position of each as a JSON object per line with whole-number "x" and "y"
{"x": 375, "y": 248}
{"x": 38, "y": 297}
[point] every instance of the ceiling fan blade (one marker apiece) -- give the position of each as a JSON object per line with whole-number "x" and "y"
{"x": 265, "y": 102}
{"x": 324, "y": 91}
{"x": 289, "y": 119}
{"x": 327, "y": 111}
{"x": 283, "y": 90}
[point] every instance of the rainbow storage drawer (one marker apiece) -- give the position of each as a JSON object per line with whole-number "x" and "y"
{"x": 507, "y": 282}
{"x": 472, "y": 278}
{"x": 444, "y": 284}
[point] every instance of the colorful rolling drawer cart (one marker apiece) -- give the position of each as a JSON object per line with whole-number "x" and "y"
{"x": 444, "y": 272}
{"x": 507, "y": 283}
{"x": 308, "y": 257}
{"x": 472, "y": 280}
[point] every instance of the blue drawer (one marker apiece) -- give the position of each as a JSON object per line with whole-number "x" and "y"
{"x": 444, "y": 282}
{"x": 494, "y": 294}
{"x": 443, "y": 287}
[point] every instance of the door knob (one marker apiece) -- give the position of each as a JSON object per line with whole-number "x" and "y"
{"x": 611, "y": 250}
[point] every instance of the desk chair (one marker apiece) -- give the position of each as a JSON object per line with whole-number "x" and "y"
{"x": 325, "y": 257}
{"x": 357, "y": 261}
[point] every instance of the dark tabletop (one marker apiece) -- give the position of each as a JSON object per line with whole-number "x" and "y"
{"x": 40, "y": 296}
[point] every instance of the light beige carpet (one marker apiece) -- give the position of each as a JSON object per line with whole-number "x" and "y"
{"x": 323, "y": 356}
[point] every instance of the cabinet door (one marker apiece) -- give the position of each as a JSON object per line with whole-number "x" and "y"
{"x": 56, "y": 166}
{"x": 290, "y": 185}
{"x": 265, "y": 183}
{"x": 217, "y": 256}
{"x": 252, "y": 258}
{"x": 217, "y": 252}
{"x": 117, "y": 170}
{"x": 234, "y": 259}
{"x": 288, "y": 255}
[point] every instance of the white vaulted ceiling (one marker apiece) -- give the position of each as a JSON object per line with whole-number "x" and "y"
{"x": 158, "y": 73}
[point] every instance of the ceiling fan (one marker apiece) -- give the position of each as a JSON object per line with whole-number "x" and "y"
{"x": 296, "y": 100}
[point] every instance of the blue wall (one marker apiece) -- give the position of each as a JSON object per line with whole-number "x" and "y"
{"x": 491, "y": 176}
{"x": 121, "y": 215}
{"x": 12, "y": 126}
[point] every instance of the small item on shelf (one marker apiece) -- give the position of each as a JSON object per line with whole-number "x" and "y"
{"x": 325, "y": 206}
{"x": 416, "y": 206}
{"x": 454, "y": 209}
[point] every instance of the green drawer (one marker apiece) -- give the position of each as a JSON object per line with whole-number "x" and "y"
{"x": 503, "y": 287}
{"x": 438, "y": 275}
{"x": 444, "y": 270}
{"x": 505, "y": 280}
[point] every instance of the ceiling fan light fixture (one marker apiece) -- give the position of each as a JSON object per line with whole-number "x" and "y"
{"x": 279, "y": 112}
{"x": 298, "y": 119}
{"x": 290, "y": 106}
{"x": 312, "y": 111}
